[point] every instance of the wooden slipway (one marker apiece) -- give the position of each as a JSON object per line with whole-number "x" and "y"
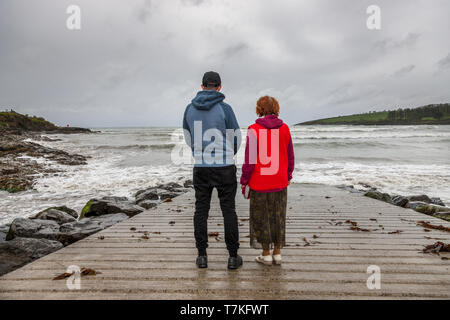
{"x": 333, "y": 266}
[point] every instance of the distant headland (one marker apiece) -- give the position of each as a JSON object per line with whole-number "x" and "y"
{"x": 13, "y": 122}
{"x": 430, "y": 114}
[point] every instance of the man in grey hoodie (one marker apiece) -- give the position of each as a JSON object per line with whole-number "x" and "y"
{"x": 212, "y": 132}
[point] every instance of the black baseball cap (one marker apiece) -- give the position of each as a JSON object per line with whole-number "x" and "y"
{"x": 211, "y": 79}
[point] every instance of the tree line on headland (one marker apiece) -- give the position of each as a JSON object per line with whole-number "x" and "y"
{"x": 430, "y": 114}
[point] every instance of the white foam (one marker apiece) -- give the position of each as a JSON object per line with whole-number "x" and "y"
{"x": 433, "y": 180}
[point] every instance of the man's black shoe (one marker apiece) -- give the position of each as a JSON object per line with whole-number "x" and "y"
{"x": 234, "y": 262}
{"x": 202, "y": 261}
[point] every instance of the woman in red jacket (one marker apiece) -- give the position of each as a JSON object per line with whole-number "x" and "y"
{"x": 267, "y": 171}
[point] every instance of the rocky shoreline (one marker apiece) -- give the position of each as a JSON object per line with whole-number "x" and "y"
{"x": 421, "y": 203}
{"x": 27, "y": 239}
{"x": 18, "y": 165}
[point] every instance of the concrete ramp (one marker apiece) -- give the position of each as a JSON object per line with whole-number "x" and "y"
{"x": 324, "y": 258}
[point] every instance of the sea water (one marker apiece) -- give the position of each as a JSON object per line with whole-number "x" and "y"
{"x": 395, "y": 159}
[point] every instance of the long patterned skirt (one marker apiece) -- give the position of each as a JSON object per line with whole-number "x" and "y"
{"x": 267, "y": 219}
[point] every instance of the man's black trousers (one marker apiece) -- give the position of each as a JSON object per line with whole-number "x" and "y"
{"x": 224, "y": 180}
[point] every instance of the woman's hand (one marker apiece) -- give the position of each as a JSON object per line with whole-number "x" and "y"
{"x": 243, "y": 188}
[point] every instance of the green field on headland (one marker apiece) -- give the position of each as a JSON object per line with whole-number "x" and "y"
{"x": 430, "y": 114}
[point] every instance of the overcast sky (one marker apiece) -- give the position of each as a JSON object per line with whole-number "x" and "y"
{"x": 140, "y": 62}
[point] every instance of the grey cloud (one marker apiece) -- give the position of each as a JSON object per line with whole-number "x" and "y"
{"x": 350, "y": 92}
{"x": 444, "y": 63}
{"x": 404, "y": 71}
{"x": 144, "y": 11}
{"x": 140, "y": 62}
{"x": 193, "y": 2}
{"x": 234, "y": 50}
{"x": 408, "y": 41}
{"x": 389, "y": 44}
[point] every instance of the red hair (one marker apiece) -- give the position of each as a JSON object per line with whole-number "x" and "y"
{"x": 267, "y": 105}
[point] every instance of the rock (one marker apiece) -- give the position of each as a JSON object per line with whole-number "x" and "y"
{"x": 148, "y": 194}
{"x": 414, "y": 204}
{"x": 422, "y": 198}
{"x": 110, "y": 205}
{"x": 67, "y": 233}
{"x": 74, "y": 231}
{"x": 169, "y": 195}
{"x": 379, "y": 196}
{"x": 400, "y": 201}
{"x": 140, "y": 191}
{"x": 430, "y": 209}
{"x": 158, "y": 193}
{"x": 115, "y": 198}
{"x": 55, "y": 215}
{"x": 366, "y": 186}
{"x": 36, "y": 228}
{"x": 148, "y": 204}
{"x": 10, "y": 170}
{"x": 437, "y": 201}
{"x": 443, "y": 215}
{"x": 18, "y": 173}
{"x": 169, "y": 186}
{"x": 188, "y": 184}
{"x": 67, "y": 210}
{"x": 19, "y": 251}
{"x": 350, "y": 188}
{"x": 69, "y": 130}
{"x": 3, "y": 232}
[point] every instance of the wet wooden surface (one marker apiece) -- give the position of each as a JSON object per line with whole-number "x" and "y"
{"x": 333, "y": 265}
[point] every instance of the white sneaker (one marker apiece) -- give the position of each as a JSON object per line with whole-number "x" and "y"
{"x": 277, "y": 258}
{"x": 267, "y": 260}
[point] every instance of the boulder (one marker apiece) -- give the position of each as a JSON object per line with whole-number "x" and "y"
{"x": 400, "y": 201}
{"x": 55, "y": 215}
{"x": 3, "y": 232}
{"x": 188, "y": 184}
{"x": 437, "y": 201}
{"x": 431, "y": 209}
{"x": 67, "y": 210}
{"x": 33, "y": 228}
{"x": 349, "y": 188}
{"x": 414, "y": 204}
{"x": 19, "y": 251}
{"x": 170, "y": 186}
{"x": 169, "y": 194}
{"x": 379, "y": 196}
{"x": 67, "y": 233}
{"x": 422, "y": 198}
{"x": 74, "y": 231}
{"x": 148, "y": 204}
{"x": 158, "y": 193}
{"x": 110, "y": 205}
{"x": 442, "y": 215}
{"x": 148, "y": 194}
{"x": 118, "y": 199}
